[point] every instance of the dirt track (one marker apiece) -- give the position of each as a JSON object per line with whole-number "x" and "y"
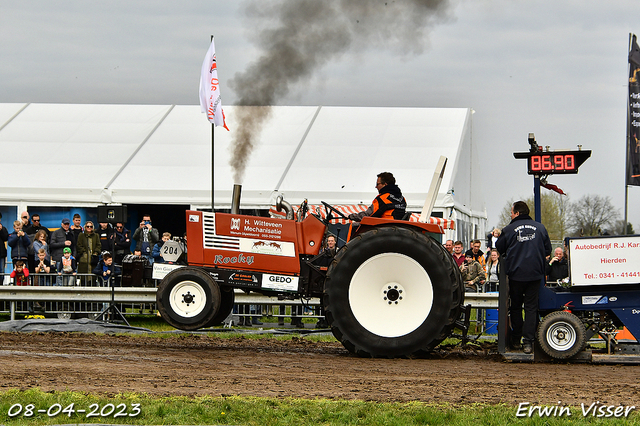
{"x": 197, "y": 365}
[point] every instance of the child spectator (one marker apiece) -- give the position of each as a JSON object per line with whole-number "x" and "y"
{"x": 107, "y": 270}
{"x": 43, "y": 266}
{"x": 20, "y": 273}
{"x": 40, "y": 242}
{"x": 157, "y": 249}
{"x": 67, "y": 267}
{"x": 19, "y": 242}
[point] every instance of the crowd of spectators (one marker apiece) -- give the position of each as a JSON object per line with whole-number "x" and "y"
{"x": 60, "y": 256}
{"x": 480, "y": 269}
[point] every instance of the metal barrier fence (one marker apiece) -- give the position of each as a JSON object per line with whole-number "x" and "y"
{"x": 69, "y": 296}
{"x": 86, "y": 295}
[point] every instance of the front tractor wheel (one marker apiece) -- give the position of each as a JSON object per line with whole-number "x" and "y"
{"x": 562, "y": 335}
{"x": 188, "y": 298}
{"x": 392, "y": 292}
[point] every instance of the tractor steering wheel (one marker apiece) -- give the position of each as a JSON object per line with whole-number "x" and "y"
{"x": 329, "y": 209}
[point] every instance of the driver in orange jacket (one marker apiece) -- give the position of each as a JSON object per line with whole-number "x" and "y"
{"x": 389, "y": 204}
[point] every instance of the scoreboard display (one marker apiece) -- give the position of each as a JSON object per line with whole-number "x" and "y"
{"x": 553, "y": 162}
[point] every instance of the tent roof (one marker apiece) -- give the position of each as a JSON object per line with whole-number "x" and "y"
{"x": 162, "y": 154}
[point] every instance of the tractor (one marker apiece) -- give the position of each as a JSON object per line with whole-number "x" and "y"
{"x": 391, "y": 291}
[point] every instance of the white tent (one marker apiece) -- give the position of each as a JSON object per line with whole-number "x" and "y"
{"x": 69, "y": 154}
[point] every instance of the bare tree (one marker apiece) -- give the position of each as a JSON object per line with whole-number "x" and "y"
{"x": 592, "y": 215}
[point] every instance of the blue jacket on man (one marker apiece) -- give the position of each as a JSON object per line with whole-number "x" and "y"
{"x": 525, "y": 243}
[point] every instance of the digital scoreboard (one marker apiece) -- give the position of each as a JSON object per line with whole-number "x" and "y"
{"x": 553, "y": 162}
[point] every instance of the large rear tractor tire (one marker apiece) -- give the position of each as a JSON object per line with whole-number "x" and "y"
{"x": 188, "y": 298}
{"x": 392, "y": 292}
{"x": 562, "y": 335}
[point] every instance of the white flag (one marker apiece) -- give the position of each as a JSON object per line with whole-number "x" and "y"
{"x": 210, "y": 89}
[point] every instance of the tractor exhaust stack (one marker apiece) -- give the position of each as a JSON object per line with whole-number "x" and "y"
{"x": 235, "y": 198}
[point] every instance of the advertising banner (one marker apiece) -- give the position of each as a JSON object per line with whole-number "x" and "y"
{"x": 633, "y": 130}
{"x": 604, "y": 260}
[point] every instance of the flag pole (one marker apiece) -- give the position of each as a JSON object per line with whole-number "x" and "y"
{"x": 213, "y": 155}
{"x": 211, "y": 104}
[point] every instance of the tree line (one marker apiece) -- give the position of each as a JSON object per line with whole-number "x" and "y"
{"x": 589, "y": 216}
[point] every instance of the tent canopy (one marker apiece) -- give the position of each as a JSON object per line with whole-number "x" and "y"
{"x": 74, "y": 153}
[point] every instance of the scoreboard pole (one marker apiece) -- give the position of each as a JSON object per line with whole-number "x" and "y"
{"x": 537, "y": 201}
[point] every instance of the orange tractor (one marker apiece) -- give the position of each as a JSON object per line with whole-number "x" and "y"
{"x": 392, "y": 290}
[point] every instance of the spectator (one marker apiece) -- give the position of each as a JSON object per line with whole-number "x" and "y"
{"x": 389, "y": 203}
{"x": 558, "y": 267}
{"x": 4, "y": 237}
{"x": 493, "y": 271}
{"x": 328, "y": 253}
{"x": 477, "y": 253}
{"x": 458, "y": 256}
{"x": 122, "y": 242}
{"x": 36, "y": 226}
{"x": 472, "y": 273}
{"x": 107, "y": 270}
{"x": 525, "y": 244}
{"x": 19, "y": 242}
{"x": 40, "y": 242}
{"x": 76, "y": 229}
{"x": 492, "y": 238}
{"x": 106, "y": 234}
{"x": 448, "y": 245}
{"x": 26, "y": 223}
{"x": 20, "y": 273}
{"x": 88, "y": 249}
{"x": 67, "y": 267}
{"x": 157, "y": 249}
{"x": 61, "y": 238}
{"x": 43, "y": 266}
{"x": 146, "y": 236}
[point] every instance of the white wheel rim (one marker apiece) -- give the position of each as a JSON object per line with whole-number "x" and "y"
{"x": 391, "y": 295}
{"x": 187, "y": 299}
{"x": 561, "y": 336}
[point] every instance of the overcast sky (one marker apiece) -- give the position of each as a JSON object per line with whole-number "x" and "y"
{"x": 555, "y": 68}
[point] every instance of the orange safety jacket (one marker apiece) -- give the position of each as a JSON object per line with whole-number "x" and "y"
{"x": 389, "y": 204}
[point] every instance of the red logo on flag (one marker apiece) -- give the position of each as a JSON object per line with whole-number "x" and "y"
{"x": 214, "y": 66}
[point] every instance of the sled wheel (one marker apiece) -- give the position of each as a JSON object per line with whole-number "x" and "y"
{"x": 227, "y": 298}
{"x": 392, "y": 292}
{"x": 188, "y": 298}
{"x": 562, "y": 335}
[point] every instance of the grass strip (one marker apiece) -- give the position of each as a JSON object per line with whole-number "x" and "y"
{"x": 21, "y": 408}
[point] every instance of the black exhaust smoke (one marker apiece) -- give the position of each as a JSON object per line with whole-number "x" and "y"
{"x": 296, "y": 38}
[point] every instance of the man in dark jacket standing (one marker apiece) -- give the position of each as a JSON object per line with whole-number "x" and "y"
{"x": 62, "y": 238}
{"x": 526, "y": 244}
{"x": 389, "y": 204}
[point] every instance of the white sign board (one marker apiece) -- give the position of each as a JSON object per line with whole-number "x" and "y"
{"x": 160, "y": 270}
{"x": 605, "y": 260}
{"x": 279, "y": 282}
